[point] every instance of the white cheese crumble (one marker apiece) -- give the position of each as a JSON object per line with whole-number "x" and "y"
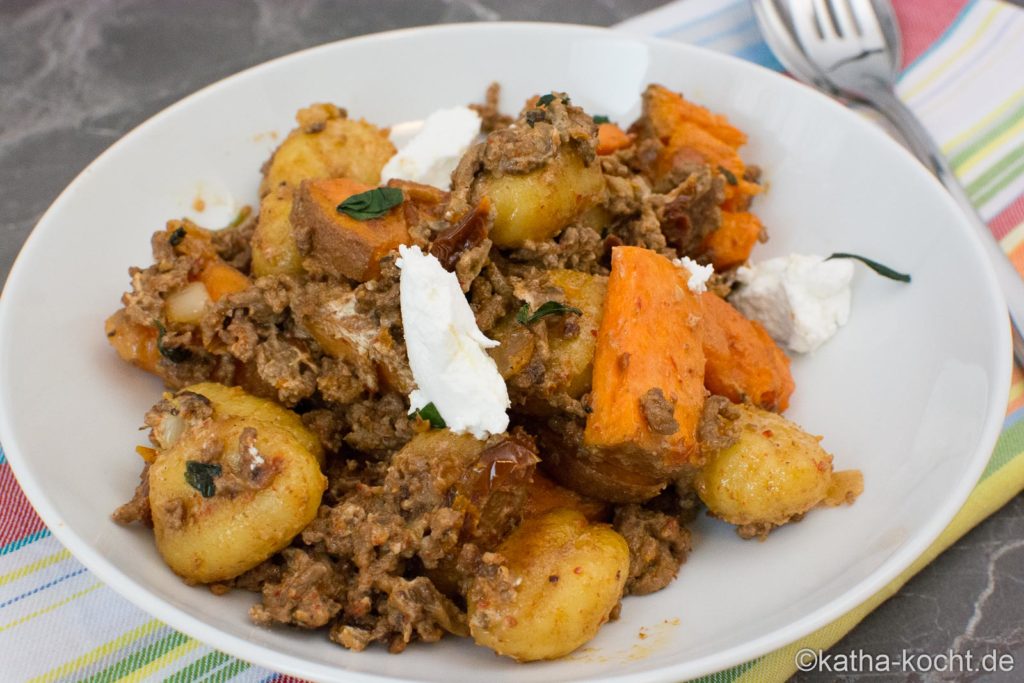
{"x": 447, "y": 350}
{"x": 801, "y": 299}
{"x": 257, "y": 459}
{"x": 431, "y": 155}
{"x": 699, "y": 275}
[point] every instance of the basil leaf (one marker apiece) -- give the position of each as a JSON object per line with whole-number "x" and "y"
{"x": 524, "y": 317}
{"x": 545, "y": 100}
{"x": 884, "y": 271}
{"x": 730, "y": 177}
{"x": 430, "y": 413}
{"x": 200, "y": 476}
{"x": 175, "y": 354}
{"x": 177, "y": 236}
{"x": 372, "y": 203}
{"x": 601, "y": 118}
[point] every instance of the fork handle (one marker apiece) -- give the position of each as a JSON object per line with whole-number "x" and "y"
{"x": 924, "y": 148}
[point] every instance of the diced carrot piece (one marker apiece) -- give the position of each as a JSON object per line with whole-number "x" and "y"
{"x": 648, "y": 379}
{"x": 730, "y": 245}
{"x": 136, "y": 344}
{"x": 611, "y": 138}
{"x": 743, "y": 362}
{"x": 221, "y": 279}
{"x": 340, "y": 244}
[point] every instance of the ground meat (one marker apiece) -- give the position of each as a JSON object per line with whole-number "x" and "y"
{"x": 491, "y": 118}
{"x": 291, "y": 369}
{"x": 246, "y": 469}
{"x": 714, "y": 432}
{"x": 659, "y": 412}
{"x": 234, "y": 244}
{"x": 690, "y": 211}
{"x": 137, "y": 509}
{"x": 145, "y": 302}
{"x": 658, "y": 545}
{"x": 174, "y": 514}
{"x": 378, "y": 425}
{"x": 413, "y": 609}
{"x": 578, "y": 247}
{"x": 491, "y": 297}
{"x": 308, "y": 592}
{"x": 328, "y": 427}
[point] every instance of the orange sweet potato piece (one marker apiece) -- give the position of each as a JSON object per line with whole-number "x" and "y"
{"x": 134, "y": 343}
{"x": 743, "y": 362}
{"x": 648, "y": 378}
{"x": 545, "y": 496}
{"x": 687, "y": 130}
{"x": 611, "y": 138}
{"x": 587, "y": 472}
{"x": 730, "y": 245}
{"x": 338, "y": 243}
{"x": 669, "y": 109}
{"x": 221, "y": 279}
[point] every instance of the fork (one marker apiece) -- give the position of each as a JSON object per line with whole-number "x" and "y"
{"x": 852, "y": 49}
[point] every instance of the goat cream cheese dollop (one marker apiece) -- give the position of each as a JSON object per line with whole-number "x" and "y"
{"x": 447, "y": 350}
{"x": 431, "y": 155}
{"x": 699, "y": 275}
{"x": 801, "y": 299}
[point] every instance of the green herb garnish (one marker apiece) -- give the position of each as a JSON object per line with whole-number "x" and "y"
{"x": 200, "y": 476}
{"x": 730, "y": 177}
{"x": 372, "y": 203}
{"x": 175, "y": 354}
{"x": 430, "y": 413}
{"x": 545, "y": 100}
{"x": 884, "y": 271}
{"x": 177, "y": 236}
{"x": 601, "y": 118}
{"x": 524, "y": 317}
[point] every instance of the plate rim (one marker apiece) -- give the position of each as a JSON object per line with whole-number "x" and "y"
{"x": 752, "y": 649}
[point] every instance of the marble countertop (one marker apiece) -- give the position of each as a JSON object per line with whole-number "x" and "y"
{"x": 76, "y": 75}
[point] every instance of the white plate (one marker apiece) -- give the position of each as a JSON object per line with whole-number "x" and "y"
{"x": 912, "y": 391}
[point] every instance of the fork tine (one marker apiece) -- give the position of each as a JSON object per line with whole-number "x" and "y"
{"x": 823, "y": 16}
{"x": 808, "y": 31}
{"x": 863, "y": 12}
{"x": 846, "y": 23}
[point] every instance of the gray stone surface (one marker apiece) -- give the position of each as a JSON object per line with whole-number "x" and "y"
{"x": 75, "y": 76}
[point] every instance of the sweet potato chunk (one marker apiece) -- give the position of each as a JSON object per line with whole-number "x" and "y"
{"x": 611, "y": 138}
{"x": 744, "y": 364}
{"x": 730, "y": 245}
{"x": 339, "y": 244}
{"x": 686, "y": 132}
{"x": 545, "y": 496}
{"x": 648, "y": 386}
{"x": 588, "y": 472}
{"x": 221, "y": 279}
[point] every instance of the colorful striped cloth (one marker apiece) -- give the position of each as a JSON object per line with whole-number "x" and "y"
{"x": 963, "y": 78}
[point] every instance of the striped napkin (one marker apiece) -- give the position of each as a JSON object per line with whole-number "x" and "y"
{"x": 963, "y": 78}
